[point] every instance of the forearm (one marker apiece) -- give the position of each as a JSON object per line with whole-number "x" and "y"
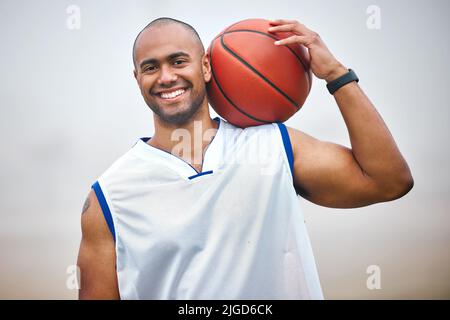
{"x": 373, "y": 146}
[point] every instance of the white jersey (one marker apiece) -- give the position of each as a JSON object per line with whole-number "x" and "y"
{"x": 233, "y": 231}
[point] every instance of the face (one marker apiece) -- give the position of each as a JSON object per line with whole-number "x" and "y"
{"x": 171, "y": 73}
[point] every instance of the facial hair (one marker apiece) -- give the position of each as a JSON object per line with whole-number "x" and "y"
{"x": 184, "y": 116}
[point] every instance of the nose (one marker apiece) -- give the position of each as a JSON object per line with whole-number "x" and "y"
{"x": 166, "y": 75}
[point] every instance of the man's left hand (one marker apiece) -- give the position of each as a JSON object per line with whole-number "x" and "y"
{"x": 322, "y": 62}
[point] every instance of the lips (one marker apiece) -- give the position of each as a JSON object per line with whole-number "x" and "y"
{"x": 171, "y": 95}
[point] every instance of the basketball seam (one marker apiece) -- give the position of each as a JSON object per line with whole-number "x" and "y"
{"x": 270, "y": 36}
{"x": 260, "y": 74}
{"x": 274, "y": 38}
{"x": 223, "y": 93}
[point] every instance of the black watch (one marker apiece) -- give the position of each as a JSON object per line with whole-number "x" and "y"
{"x": 350, "y": 76}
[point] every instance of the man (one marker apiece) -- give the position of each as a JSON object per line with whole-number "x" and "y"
{"x": 164, "y": 223}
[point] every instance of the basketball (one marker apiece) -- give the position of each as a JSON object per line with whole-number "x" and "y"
{"x": 253, "y": 81}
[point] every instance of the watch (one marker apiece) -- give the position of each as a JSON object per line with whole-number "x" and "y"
{"x": 334, "y": 85}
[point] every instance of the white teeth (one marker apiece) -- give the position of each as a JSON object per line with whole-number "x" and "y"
{"x": 172, "y": 95}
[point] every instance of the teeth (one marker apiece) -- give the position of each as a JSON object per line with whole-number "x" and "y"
{"x": 172, "y": 95}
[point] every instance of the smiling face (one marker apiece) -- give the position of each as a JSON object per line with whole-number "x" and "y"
{"x": 171, "y": 72}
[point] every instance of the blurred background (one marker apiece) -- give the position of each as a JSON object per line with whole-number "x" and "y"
{"x": 69, "y": 107}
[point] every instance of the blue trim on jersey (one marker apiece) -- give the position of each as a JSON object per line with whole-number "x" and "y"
{"x": 105, "y": 208}
{"x": 200, "y": 174}
{"x": 287, "y": 146}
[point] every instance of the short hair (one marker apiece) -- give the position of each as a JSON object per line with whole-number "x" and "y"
{"x": 165, "y": 21}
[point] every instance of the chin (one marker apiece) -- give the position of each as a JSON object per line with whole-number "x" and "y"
{"x": 178, "y": 118}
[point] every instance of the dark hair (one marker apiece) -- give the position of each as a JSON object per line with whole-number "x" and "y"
{"x": 164, "y": 21}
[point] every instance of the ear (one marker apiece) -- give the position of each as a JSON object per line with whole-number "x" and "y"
{"x": 206, "y": 68}
{"x": 136, "y": 76}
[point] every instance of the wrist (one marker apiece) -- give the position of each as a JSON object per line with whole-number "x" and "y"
{"x": 341, "y": 81}
{"x": 336, "y": 73}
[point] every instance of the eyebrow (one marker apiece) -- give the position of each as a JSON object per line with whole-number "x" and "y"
{"x": 169, "y": 57}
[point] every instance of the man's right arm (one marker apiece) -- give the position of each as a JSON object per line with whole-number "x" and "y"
{"x": 97, "y": 256}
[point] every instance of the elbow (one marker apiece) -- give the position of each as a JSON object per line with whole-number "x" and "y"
{"x": 403, "y": 184}
{"x": 406, "y": 187}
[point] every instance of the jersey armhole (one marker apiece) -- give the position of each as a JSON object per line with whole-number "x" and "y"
{"x": 287, "y": 146}
{"x": 105, "y": 208}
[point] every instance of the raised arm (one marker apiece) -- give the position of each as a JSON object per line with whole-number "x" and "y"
{"x": 373, "y": 170}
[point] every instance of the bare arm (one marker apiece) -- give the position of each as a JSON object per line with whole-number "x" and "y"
{"x": 373, "y": 170}
{"x": 97, "y": 257}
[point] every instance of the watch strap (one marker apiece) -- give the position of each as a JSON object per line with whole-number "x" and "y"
{"x": 334, "y": 85}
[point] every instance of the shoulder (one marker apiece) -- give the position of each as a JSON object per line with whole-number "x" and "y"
{"x": 301, "y": 141}
{"x": 93, "y": 224}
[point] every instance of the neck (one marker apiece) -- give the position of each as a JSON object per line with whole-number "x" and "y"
{"x": 187, "y": 141}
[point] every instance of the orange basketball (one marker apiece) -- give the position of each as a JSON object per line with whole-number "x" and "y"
{"x": 255, "y": 82}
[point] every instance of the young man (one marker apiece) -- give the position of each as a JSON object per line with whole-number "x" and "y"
{"x": 165, "y": 223}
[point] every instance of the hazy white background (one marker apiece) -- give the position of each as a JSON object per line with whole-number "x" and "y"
{"x": 69, "y": 106}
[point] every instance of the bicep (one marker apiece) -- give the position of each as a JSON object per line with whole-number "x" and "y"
{"x": 327, "y": 174}
{"x": 96, "y": 258}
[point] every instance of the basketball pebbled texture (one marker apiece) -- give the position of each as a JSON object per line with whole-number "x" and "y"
{"x": 253, "y": 81}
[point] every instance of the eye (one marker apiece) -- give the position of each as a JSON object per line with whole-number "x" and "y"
{"x": 149, "y": 68}
{"x": 178, "y": 62}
